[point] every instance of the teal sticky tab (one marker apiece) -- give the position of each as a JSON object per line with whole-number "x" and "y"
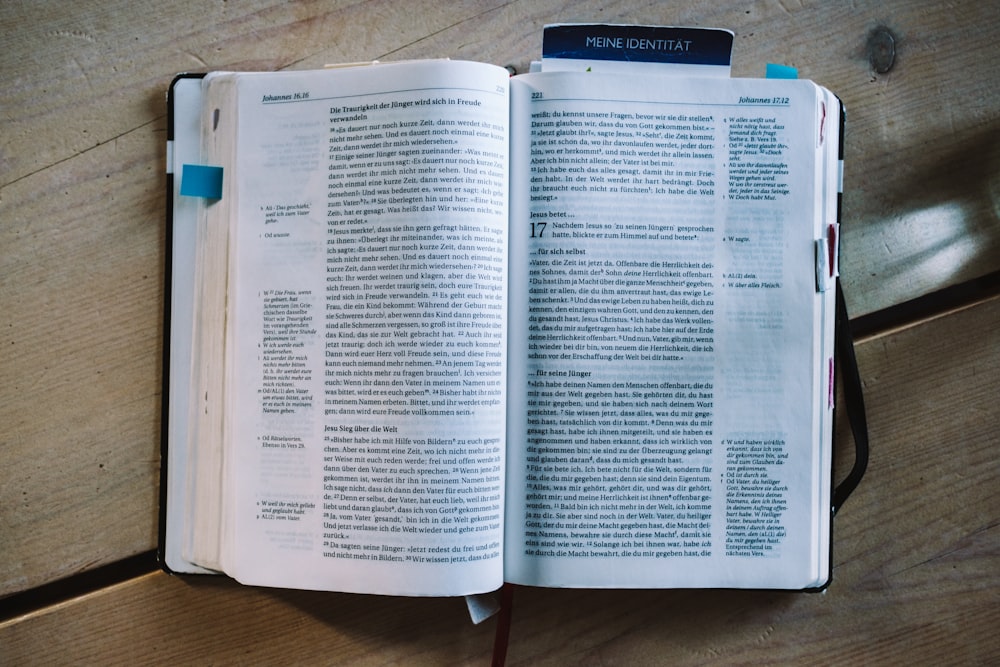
{"x": 781, "y": 72}
{"x": 199, "y": 180}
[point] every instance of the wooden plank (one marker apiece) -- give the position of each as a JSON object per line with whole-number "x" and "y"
{"x": 81, "y": 244}
{"x": 80, "y": 76}
{"x": 922, "y": 149}
{"x": 915, "y": 576}
{"x": 79, "y": 417}
{"x": 183, "y": 619}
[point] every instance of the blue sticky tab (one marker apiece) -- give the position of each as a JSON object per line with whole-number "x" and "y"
{"x": 199, "y": 180}
{"x": 781, "y": 72}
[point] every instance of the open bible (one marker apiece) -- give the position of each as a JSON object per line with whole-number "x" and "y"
{"x": 439, "y": 328}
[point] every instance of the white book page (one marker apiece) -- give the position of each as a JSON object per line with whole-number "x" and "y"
{"x": 369, "y": 329}
{"x": 186, "y": 98}
{"x": 206, "y": 541}
{"x": 663, "y": 428}
{"x": 831, "y": 185}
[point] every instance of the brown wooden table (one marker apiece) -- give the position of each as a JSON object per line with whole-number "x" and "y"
{"x": 82, "y": 154}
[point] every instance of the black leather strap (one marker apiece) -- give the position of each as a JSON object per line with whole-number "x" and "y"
{"x": 854, "y": 403}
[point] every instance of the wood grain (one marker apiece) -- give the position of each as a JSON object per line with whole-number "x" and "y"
{"x": 82, "y": 122}
{"x": 915, "y": 577}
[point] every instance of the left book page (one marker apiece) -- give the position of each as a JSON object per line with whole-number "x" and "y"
{"x": 184, "y": 103}
{"x": 363, "y": 407}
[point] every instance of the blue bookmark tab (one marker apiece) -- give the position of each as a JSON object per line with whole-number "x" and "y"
{"x": 198, "y": 180}
{"x": 781, "y": 72}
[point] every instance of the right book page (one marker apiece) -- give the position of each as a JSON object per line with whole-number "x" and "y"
{"x": 668, "y": 406}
